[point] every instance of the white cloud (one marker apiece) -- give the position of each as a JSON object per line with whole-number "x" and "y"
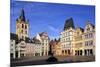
{"x": 53, "y": 29}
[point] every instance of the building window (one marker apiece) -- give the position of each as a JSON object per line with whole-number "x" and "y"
{"x": 80, "y": 52}
{"x": 68, "y": 51}
{"x": 62, "y": 51}
{"x": 22, "y": 55}
{"x": 91, "y": 43}
{"x": 11, "y": 49}
{"x": 86, "y": 36}
{"x": 21, "y": 31}
{"x": 86, "y": 43}
{"x": 91, "y": 51}
{"x": 85, "y": 52}
{"x": 88, "y": 29}
{"x": 11, "y": 44}
{"x": 22, "y": 25}
{"x": 75, "y": 52}
{"x": 90, "y": 35}
{"x": 11, "y": 55}
{"x": 26, "y": 32}
{"x": 25, "y": 26}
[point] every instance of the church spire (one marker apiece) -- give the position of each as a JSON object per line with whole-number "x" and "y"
{"x": 22, "y": 15}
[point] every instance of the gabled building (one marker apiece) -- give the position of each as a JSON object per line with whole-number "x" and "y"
{"x": 37, "y": 47}
{"x": 78, "y": 46}
{"x": 30, "y": 49}
{"x": 44, "y": 39}
{"x": 57, "y": 47}
{"x": 89, "y": 39}
{"x": 52, "y": 46}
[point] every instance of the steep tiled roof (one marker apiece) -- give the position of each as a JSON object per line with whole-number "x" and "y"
{"x": 14, "y": 37}
{"x": 43, "y": 34}
{"x": 34, "y": 40}
{"x": 22, "y": 15}
{"x": 81, "y": 29}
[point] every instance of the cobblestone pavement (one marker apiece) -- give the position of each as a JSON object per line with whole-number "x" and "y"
{"x": 42, "y": 60}
{"x": 76, "y": 58}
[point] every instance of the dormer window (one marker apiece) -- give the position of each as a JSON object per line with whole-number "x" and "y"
{"x": 88, "y": 29}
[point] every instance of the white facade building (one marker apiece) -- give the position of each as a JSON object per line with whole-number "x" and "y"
{"x": 12, "y": 48}
{"x": 67, "y": 38}
{"x": 21, "y": 49}
{"x": 44, "y": 40}
{"x": 30, "y": 49}
{"x": 67, "y": 41}
{"x": 89, "y": 40}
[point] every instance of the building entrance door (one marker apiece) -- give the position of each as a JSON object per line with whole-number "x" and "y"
{"x": 16, "y": 54}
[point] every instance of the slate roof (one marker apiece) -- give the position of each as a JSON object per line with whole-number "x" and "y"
{"x": 22, "y": 15}
{"x": 14, "y": 37}
{"x": 69, "y": 23}
{"x": 36, "y": 41}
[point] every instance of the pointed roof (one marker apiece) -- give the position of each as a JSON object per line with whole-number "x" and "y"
{"x": 80, "y": 29}
{"x": 43, "y": 34}
{"x": 69, "y": 23}
{"x": 13, "y": 36}
{"x": 22, "y": 15}
{"x": 36, "y": 41}
{"x": 88, "y": 22}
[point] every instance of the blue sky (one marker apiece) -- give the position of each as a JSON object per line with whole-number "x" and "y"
{"x": 50, "y": 17}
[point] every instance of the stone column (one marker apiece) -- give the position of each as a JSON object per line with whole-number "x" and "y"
{"x": 87, "y": 52}
{"x": 14, "y": 56}
{"x": 40, "y": 53}
{"x": 18, "y": 54}
{"x": 24, "y": 54}
{"x": 47, "y": 53}
{"x": 83, "y": 53}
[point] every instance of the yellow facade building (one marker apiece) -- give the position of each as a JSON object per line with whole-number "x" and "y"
{"x": 57, "y": 49}
{"x": 78, "y": 42}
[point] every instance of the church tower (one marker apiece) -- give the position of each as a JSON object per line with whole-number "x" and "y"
{"x": 22, "y": 26}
